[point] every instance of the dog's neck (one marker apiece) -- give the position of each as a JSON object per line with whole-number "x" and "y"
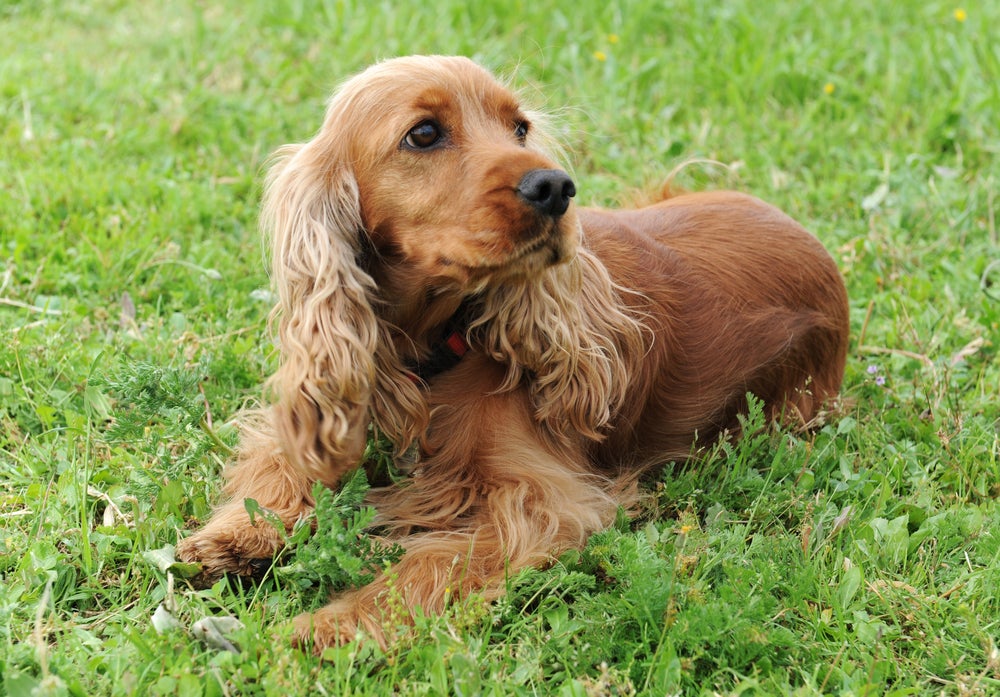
{"x": 445, "y": 351}
{"x": 428, "y": 326}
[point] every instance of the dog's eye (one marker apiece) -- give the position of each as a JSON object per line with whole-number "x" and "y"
{"x": 424, "y": 135}
{"x": 521, "y": 130}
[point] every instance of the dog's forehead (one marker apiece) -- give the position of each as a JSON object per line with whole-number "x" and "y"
{"x": 465, "y": 97}
{"x": 439, "y": 85}
{"x": 468, "y": 88}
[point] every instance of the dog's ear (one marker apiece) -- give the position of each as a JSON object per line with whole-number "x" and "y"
{"x": 566, "y": 334}
{"x": 569, "y": 337}
{"x": 327, "y": 329}
{"x": 338, "y": 363}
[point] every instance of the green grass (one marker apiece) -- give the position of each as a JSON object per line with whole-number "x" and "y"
{"x": 864, "y": 559}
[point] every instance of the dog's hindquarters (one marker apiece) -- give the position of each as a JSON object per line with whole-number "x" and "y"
{"x": 740, "y": 298}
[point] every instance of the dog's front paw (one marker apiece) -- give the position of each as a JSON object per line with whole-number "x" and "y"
{"x": 336, "y": 624}
{"x": 231, "y": 544}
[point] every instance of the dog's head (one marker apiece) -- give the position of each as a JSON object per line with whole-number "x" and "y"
{"x": 454, "y": 190}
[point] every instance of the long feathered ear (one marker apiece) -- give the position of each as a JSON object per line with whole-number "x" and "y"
{"x": 339, "y": 365}
{"x": 569, "y": 335}
{"x": 327, "y": 330}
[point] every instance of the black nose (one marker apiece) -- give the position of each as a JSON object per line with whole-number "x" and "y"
{"x": 547, "y": 190}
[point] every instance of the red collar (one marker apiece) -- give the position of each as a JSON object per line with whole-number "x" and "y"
{"x": 448, "y": 351}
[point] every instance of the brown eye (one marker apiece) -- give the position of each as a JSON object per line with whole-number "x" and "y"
{"x": 424, "y": 135}
{"x": 521, "y": 130}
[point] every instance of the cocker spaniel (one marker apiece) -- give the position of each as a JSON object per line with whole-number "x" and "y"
{"x": 436, "y": 281}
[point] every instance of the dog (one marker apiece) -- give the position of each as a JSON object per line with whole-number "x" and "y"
{"x": 436, "y": 282}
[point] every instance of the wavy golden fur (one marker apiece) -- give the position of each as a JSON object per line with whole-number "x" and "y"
{"x": 599, "y": 342}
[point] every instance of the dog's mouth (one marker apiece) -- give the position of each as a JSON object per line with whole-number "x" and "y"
{"x": 547, "y": 240}
{"x": 548, "y": 248}
{"x": 550, "y": 244}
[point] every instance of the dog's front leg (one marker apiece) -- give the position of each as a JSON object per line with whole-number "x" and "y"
{"x": 232, "y": 541}
{"x": 496, "y": 495}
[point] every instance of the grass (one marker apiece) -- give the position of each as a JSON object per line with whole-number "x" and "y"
{"x": 863, "y": 559}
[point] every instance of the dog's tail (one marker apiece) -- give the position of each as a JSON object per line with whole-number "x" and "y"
{"x": 669, "y": 187}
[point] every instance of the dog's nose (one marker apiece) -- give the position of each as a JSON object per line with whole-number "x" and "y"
{"x": 547, "y": 190}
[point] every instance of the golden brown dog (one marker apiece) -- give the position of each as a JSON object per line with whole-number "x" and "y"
{"x": 427, "y": 214}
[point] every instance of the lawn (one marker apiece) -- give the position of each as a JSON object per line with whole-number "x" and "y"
{"x": 862, "y": 558}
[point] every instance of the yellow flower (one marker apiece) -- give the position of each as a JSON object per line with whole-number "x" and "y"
{"x": 685, "y": 529}
{"x": 612, "y": 38}
{"x": 960, "y": 15}
{"x": 600, "y": 55}
{"x": 828, "y": 88}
